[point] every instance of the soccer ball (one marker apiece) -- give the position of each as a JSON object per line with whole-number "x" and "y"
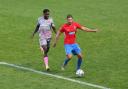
{"x": 80, "y": 73}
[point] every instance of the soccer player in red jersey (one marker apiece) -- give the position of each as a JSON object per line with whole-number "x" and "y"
{"x": 71, "y": 47}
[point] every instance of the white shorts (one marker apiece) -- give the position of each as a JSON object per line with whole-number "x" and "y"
{"x": 44, "y": 41}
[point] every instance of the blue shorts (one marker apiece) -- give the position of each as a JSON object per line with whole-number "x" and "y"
{"x": 72, "y": 49}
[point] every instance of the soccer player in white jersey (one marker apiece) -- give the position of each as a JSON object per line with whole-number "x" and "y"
{"x": 44, "y": 28}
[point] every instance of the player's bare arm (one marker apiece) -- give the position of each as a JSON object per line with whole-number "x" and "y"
{"x": 88, "y": 29}
{"x": 56, "y": 38}
{"x": 36, "y": 30}
{"x": 54, "y": 29}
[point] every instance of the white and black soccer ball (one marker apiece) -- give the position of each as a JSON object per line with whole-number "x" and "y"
{"x": 79, "y": 73}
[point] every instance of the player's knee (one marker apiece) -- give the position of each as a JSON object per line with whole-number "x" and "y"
{"x": 48, "y": 49}
{"x": 69, "y": 56}
{"x": 44, "y": 50}
{"x": 79, "y": 56}
{"x": 41, "y": 49}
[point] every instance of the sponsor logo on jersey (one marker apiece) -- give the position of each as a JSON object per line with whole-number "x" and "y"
{"x": 71, "y": 33}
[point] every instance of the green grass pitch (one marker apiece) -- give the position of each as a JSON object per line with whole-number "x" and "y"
{"x": 105, "y": 52}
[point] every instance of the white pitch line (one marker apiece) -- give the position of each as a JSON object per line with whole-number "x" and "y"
{"x": 53, "y": 75}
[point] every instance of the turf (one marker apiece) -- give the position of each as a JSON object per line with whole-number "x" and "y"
{"x": 105, "y": 52}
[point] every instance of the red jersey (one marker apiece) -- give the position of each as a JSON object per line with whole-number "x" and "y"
{"x": 70, "y": 32}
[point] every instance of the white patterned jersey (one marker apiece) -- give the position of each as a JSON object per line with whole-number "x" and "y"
{"x": 45, "y": 30}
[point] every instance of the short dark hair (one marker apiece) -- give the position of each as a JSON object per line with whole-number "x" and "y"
{"x": 69, "y": 16}
{"x": 46, "y": 10}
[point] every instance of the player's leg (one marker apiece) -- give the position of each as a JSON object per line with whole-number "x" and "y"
{"x": 79, "y": 61}
{"x": 45, "y": 57}
{"x": 68, "y": 50}
{"x": 77, "y": 51}
{"x": 48, "y": 45}
{"x": 44, "y": 49}
{"x": 68, "y": 58}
